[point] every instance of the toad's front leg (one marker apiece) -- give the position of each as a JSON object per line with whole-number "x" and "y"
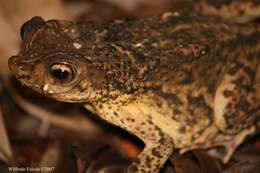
{"x": 135, "y": 119}
{"x": 153, "y": 156}
{"x": 158, "y": 147}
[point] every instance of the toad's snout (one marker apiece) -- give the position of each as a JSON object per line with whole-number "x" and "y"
{"x": 12, "y": 63}
{"x": 17, "y": 68}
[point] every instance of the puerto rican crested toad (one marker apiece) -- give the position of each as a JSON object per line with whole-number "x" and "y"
{"x": 176, "y": 81}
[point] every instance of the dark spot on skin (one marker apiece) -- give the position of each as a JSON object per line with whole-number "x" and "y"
{"x": 251, "y": 40}
{"x": 234, "y": 99}
{"x": 182, "y": 130}
{"x": 241, "y": 83}
{"x": 229, "y": 105}
{"x": 244, "y": 105}
{"x": 176, "y": 112}
{"x": 173, "y": 98}
{"x": 219, "y": 3}
{"x": 197, "y": 106}
{"x": 150, "y": 122}
{"x": 249, "y": 71}
{"x": 137, "y": 128}
{"x": 162, "y": 140}
{"x": 140, "y": 57}
{"x": 159, "y": 104}
{"x": 233, "y": 70}
{"x": 227, "y": 93}
{"x": 115, "y": 113}
{"x": 148, "y": 161}
{"x": 188, "y": 78}
{"x": 142, "y": 170}
{"x": 198, "y": 101}
{"x": 156, "y": 152}
{"x": 193, "y": 138}
{"x": 130, "y": 119}
{"x": 87, "y": 36}
{"x": 245, "y": 40}
{"x": 211, "y": 87}
{"x": 116, "y": 32}
{"x": 152, "y": 135}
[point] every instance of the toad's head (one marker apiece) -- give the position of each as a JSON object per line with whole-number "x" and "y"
{"x": 69, "y": 61}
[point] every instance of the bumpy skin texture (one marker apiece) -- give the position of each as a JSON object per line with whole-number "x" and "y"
{"x": 177, "y": 81}
{"x": 236, "y": 10}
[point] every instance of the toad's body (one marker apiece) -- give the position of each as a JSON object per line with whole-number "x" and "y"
{"x": 175, "y": 81}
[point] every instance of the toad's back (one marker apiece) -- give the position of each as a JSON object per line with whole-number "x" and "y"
{"x": 191, "y": 48}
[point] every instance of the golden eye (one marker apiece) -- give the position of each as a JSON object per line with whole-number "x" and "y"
{"x": 62, "y": 73}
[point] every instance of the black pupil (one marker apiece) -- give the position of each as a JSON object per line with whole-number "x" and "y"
{"x": 60, "y": 74}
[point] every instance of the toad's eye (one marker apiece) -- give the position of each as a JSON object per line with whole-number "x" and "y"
{"x": 62, "y": 73}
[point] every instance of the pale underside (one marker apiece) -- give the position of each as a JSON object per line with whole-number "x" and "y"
{"x": 144, "y": 110}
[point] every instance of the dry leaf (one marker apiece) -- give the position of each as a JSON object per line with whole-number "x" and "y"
{"x": 5, "y": 149}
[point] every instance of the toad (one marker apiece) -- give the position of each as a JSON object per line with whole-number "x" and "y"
{"x": 176, "y": 81}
